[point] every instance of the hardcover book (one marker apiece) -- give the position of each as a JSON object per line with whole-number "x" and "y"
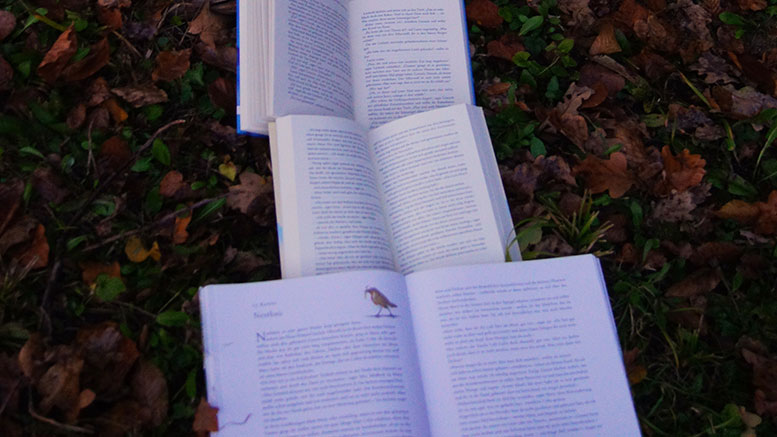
{"x": 526, "y": 348}
{"x": 371, "y": 61}
{"x": 417, "y": 193}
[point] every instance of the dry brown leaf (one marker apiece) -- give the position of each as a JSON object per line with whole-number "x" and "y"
{"x": 118, "y": 114}
{"x": 498, "y": 88}
{"x": 205, "y": 418}
{"x": 208, "y": 25}
{"x": 137, "y": 253}
{"x": 739, "y": 210}
{"x": 108, "y": 355}
{"x": 7, "y": 24}
{"x": 565, "y": 118}
{"x": 767, "y": 215}
{"x": 252, "y": 187}
{"x": 114, "y": 153}
{"x": 36, "y": 255}
{"x": 109, "y": 16}
{"x": 224, "y": 57}
{"x": 578, "y": 12}
{"x": 141, "y": 95}
{"x": 715, "y": 252}
{"x": 605, "y": 43}
{"x": 97, "y": 92}
{"x": 171, "y": 65}
{"x": 31, "y": 357}
{"x": 714, "y": 69}
{"x": 505, "y": 47}
{"x": 606, "y": 175}
{"x": 59, "y": 386}
{"x": 630, "y": 12}
{"x": 76, "y": 116}
{"x": 90, "y": 270}
{"x": 58, "y": 55}
{"x": 635, "y": 372}
{"x": 180, "y": 234}
{"x": 699, "y": 282}
{"x": 764, "y": 375}
{"x": 98, "y": 57}
{"x": 485, "y": 13}
{"x": 171, "y": 183}
{"x": 681, "y": 172}
{"x": 10, "y": 200}
{"x": 149, "y": 389}
{"x": 222, "y": 93}
{"x": 745, "y": 5}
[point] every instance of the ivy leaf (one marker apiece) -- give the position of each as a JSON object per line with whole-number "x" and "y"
{"x": 531, "y": 24}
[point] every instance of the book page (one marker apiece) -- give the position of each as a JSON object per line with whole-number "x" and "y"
{"x": 312, "y": 57}
{"x": 437, "y": 203}
{"x": 308, "y": 356}
{"x": 329, "y": 206}
{"x": 408, "y": 57}
{"x": 526, "y": 348}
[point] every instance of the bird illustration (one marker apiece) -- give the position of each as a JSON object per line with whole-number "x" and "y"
{"x": 380, "y": 300}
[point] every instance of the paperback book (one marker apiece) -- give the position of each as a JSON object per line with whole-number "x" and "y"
{"x": 526, "y": 348}
{"x": 417, "y": 193}
{"x": 371, "y": 61}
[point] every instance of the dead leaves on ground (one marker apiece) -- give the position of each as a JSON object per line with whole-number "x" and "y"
{"x": 762, "y": 215}
{"x": 22, "y": 238}
{"x": 94, "y": 369}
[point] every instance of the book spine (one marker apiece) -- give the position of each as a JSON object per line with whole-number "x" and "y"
{"x": 467, "y": 51}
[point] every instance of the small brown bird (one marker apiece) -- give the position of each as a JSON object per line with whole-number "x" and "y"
{"x": 380, "y": 300}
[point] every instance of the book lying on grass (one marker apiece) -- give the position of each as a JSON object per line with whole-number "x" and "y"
{"x": 371, "y": 61}
{"x": 526, "y": 348}
{"x": 420, "y": 192}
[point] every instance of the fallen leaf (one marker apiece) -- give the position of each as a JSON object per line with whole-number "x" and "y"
{"x": 207, "y": 25}
{"x": 86, "y": 398}
{"x": 10, "y": 200}
{"x": 767, "y": 218}
{"x": 118, "y": 114}
{"x": 137, "y": 253}
{"x": 48, "y": 185}
{"x": 681, "y": 172}
{"x": 228, "y": 170}
{"x": 579, "y": 13}
{"x": 742, "y": 103}
{"x": 485, "y": 13}
{"x": 179, "y": 232}
{"x": 98, "y": 57}
{"x": 635, "y": 372}
{"x": 109, "y": 16}
{"x": 630, "y": 13}
{"x": 90, "y": 270}
{"x": 97, "y": 92}
{"x": 674, "y": 208}
{"x": 605, "y": 43}
{"x": 108, "y": 355}
{"x": 565, "y": 118}
{"x": 699, "y": 282}
{"x": 224, "y": 57}
{"x": 36, "y": 255}
{"x": 498, "y": 88}
{"x": 593, "y": 73}
{"x": 505, "y": 47}
{"x": 205, "y": 418}
{"x": 762, "y": 214}
{"x": 20, "y": 231}
{"x": 652, "y": 64}
{"x": 222, "y": 93}
{"x": 171, "y": 65}
{"x": 60, "y": 387}
{"x": 114, "y": 153}
{"x": 252, "y": 187}
{"x": 58, "y": 55}
{"x": 171, "y": 183}
{"x": 141, "y": 95}
{"x": 76, "y": 117}
{"x": 714, "y": 69}
{"x": 31, "y": 357}
{"x": 739, "y": 210}
{"x": 764, "y": 379}
{"x": 715, "y": 252}
{"x": 149, "y": 389}
{"x": 606, "y": 175}
{"x": 7, "y": 24}
{"x": 745, "y": 5}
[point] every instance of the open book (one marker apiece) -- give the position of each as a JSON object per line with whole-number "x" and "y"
{"x": 525, "y": 348}
{"x": 371, "y": 61}
{"x": 420, "y": 192}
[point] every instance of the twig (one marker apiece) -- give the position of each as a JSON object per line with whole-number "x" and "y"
{"x": 161, "y": 221}
{"x": 127, "y": 43}
{"x": 56, "y": 267}
{"x": 54, "y": 423}
{"x": 90, "y": 157}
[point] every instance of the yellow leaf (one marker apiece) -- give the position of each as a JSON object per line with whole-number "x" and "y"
{"x": 228, "y": 170}
{"x": 137, "y": 253}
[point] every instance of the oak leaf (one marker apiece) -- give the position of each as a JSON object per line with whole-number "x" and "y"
{"x": 565, "y": 118}
{"x": 739, "y": 210}
{"x": 207, "y": 25}
{"x": 681, "y": 172}
{"x": 171, "y": 65}
{"x": 606, "y": 175}
{"x": 485, "y": 13}
{"x": 58, "y": 55}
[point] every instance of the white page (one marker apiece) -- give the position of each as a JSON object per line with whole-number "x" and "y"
{"x": 330, "y": 207}
{"x": 408, "y": 57}
{"x": 307, "y": 356}
{"x": 524, "y": 348}
{"x": 312, "y": 71}
{"x": 435, "y": 195}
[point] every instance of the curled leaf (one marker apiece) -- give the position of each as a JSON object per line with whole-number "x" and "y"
{"x": 137, "y": 253}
